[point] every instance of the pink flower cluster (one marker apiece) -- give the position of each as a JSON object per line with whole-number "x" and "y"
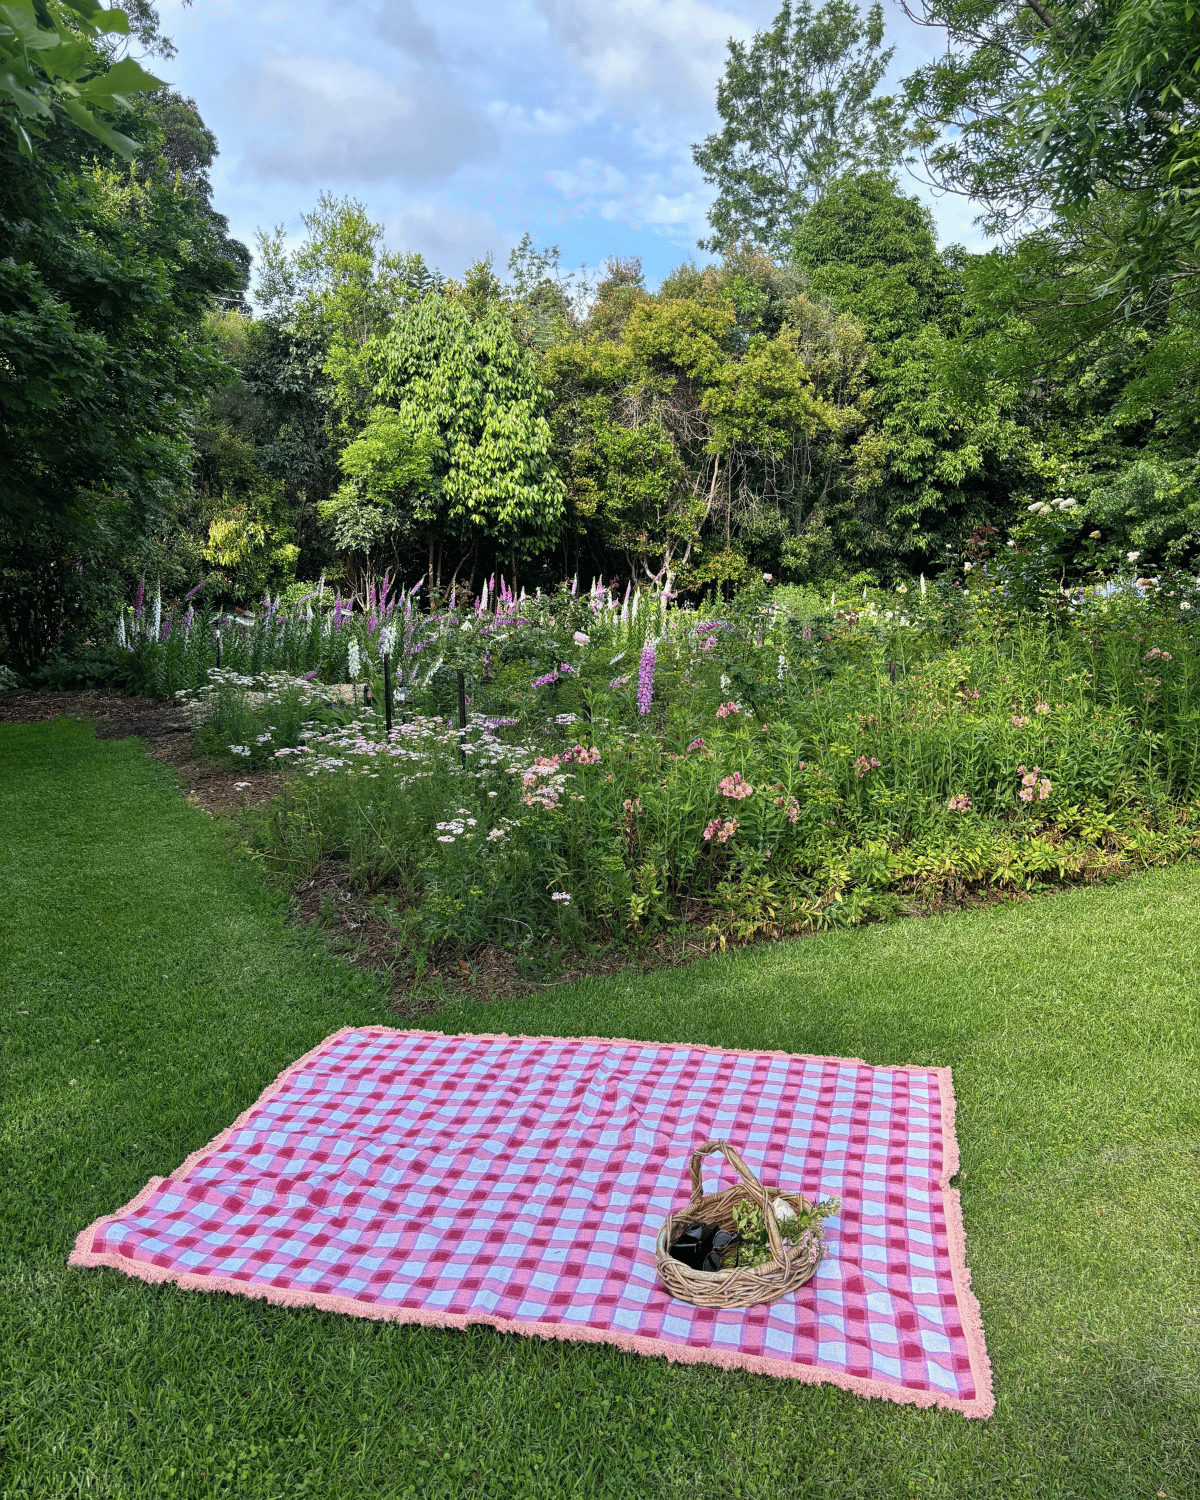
{"x": 721, "y": 831}
{"x": 864, "y": 764}
{"x": 698, "y": 743}
{"x": 1034, "y": 785}
{"x": 791, "y": 807}
{"x": 1041, "y": 708}
{"x": 537, "y": 794}
{"x": 960, "y": 804}
{"x": 541, "y": 682}
{"x": 735, "y": 786}
{"x": 582, "y": 757}
{"x": 1019, "y": 721}
{"x": 1156, "y": 653}
{"x": 726, "y": 709}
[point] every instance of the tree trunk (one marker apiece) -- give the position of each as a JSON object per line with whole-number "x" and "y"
{"x": 474, "y": 564}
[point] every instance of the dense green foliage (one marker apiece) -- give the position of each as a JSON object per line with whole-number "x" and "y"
{"x": 836, "y": 402}
{"x": 152, "y": 989}
{"x": 759, "y": 771}
{"x": 107, "y": 274}
{"x": 52, "y": 61}
{"x": 799, "y": 111}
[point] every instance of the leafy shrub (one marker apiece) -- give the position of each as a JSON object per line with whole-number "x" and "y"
{"x": 756, "y": 771}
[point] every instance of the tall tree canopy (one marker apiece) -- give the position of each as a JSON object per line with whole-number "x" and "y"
{"x": 456, "y": 448}
{"x": 106, "y": 276}
{"x": 800, "y": 109}
{"x": 53, "y": 63}
{"x": 1065, "y": 106}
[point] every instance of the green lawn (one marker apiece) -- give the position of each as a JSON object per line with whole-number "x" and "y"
{"x": 149, "y": 989}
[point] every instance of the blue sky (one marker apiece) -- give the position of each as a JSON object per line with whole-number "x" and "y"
{"x": 460, "y": 124}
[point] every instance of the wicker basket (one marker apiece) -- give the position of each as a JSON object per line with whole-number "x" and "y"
{"x": 793, "y": 1261}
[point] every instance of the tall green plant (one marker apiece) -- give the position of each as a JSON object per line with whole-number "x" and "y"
{"x": 800, "y": 109}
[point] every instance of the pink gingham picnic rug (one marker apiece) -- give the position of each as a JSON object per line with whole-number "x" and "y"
{"x": 520, "y": 1181}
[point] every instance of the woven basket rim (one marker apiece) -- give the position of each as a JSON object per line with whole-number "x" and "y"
{"x": 792, "y": 1264}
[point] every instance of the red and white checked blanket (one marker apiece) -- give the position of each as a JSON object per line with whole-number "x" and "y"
{"x": 520, "y": 1181}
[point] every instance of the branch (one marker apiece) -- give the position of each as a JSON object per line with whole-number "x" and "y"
{"x": 1051, "y": 22}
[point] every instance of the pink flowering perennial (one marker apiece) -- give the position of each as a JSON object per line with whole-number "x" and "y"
{"x": 646, "y": 678}
{"x": 721, "y": 831}
{"x": 735, "y": 786}
{"x": 791, "y": 808}
{"x": 1034, "y": 786}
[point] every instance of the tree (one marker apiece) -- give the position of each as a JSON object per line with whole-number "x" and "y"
{"x": 799, "y": 110}
{"x": 1076, "y": 125}
{"x": 459, "y": 432}
{"x": 52, "y": 64}
{"x": 106, "y": 277}
{"x": 943, "y": 451}
{"x": 1059, "y": 108}
{"x": 344, "y": 286}
{"x": 872, "y": 250}
{"x": 668, "y": 429}
{"x": 540, "y": 292}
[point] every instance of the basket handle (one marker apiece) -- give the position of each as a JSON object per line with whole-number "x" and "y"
{"x": 733, "y": 1157}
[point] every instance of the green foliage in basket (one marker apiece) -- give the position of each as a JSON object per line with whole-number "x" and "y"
{"x": 754, "y": 1249}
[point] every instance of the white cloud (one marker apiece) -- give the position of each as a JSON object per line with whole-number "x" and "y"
{"x": 398, "y": 22}
{"x": 648, "y": 53}
{"x": 667, "y": 204}
{"x": 448, "y": 239}
{"x": 521, "y": 119}
{"x": 339, "y": 120}
{"x": 591, "y": 179}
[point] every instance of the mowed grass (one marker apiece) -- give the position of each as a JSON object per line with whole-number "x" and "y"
{"x": 150, "y": 988}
